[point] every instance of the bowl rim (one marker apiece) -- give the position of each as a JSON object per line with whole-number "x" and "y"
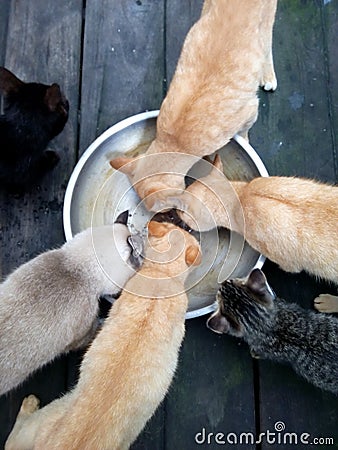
{"x": 118, "y": 127}
{"x": 114, "y": 129}
{"x": 84, "y": 158}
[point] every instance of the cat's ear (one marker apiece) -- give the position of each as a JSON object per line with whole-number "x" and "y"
{"x": 122, "y": 218}
{"x": 157, "y": 229}
{"x": 124, "y": 164}
{"x": 193, "y": 255}
{"x": 8, "y": 81}
{"x": 218, "y": 323}
{"x": 258, "y": 285}
{"x": 53, "y": 97}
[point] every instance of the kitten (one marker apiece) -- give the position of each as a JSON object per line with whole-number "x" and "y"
{"x": 226, "y": 55}
{"x": 49, "y": 305}
{"x": 292, "y": 221}
{"x": 279, "y": 331}
{"x": 129, "y": 366}
{"x": 31, "y": 114}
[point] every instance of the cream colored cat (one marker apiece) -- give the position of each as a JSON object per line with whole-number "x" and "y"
{"x": 226, "y": 56}
{"x": 126, "y": 372}
{"x": 49, "y": 305}
{"x": 292, "y": 221}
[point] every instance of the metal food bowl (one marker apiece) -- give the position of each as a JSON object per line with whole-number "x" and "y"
{"x": 96, "y": 194}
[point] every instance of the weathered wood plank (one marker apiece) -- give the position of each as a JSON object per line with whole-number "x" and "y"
{"x": 292, "y": 133}
{"x": 285, "y": 396}
{"x": 213, "y": 388}
{"x": 47, "y": 383}
{"x": 123, "y": 63}
{"x": 330, "y": 27}
{"x": 294, "y": 136}
{"x": 40, "y": 48}
{"x": 180, "y": 16}
{"x": 42, "y": 43}
{"x": 212, "y": 391}
{"x": 152, "y": 436}
{"x": 4, "y": 13}
{"x": 123, "y": 71}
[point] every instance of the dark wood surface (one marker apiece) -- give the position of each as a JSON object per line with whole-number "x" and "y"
{"x": 114, "y": 59}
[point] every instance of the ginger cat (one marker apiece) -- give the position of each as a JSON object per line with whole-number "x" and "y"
{"x": 226, "y": 56}
{"x": 292, "y": 221}
{"x": 49, "y": 305}
{"x": 128, "y": 368}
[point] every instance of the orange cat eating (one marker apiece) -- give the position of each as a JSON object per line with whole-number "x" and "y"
{"x": 128, "y": 368}
{"x": 292, "y": 221}
{"x": 226, "y": 56}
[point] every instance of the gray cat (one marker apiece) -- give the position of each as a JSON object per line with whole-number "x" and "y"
{"x": 49, "y": 305}
{"x": 277, "y": 330}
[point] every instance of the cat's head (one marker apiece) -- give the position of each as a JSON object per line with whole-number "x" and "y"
{"x": 203, "y": 204}
{"x": 35, "y": 102}
{"x": 159, "y": 191}
{"x": 243, "y": 304}
{"x": 172, "y": 247}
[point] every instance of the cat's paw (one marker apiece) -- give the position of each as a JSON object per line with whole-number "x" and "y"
{"x": 29, "y": 405}
{"x": 270, "y": 86}
{"x": 269, "y": 81}
{"x": 326, "y": 303}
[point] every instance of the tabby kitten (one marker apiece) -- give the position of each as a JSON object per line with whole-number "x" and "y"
{"x": 277, "y": 330}
{"x": 31, "y": 114}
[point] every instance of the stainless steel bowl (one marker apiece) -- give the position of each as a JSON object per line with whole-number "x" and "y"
{"x": 96, "y": 194}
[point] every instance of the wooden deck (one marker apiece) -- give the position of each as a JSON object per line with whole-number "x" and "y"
{"x": 114, "y": 59}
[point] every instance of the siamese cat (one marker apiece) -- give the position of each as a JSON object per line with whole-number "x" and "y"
{"x": 277, "y": 330}
{"x": 49, "y": 305}
{"x": 226, "y": 56}
{"x": 31, "y": 114}
{"x": 292, "y": 221}
{"x": 128, "y": 368}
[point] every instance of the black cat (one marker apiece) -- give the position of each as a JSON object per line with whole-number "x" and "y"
{"x": 31, "y": 114}
{"x": 278, "y": 330}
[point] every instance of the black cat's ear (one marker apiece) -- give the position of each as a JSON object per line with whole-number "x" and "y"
{"x": 258, "y": 285}
{"x": 218, "y": 323}
{"x": 8, "y": 81}
{"x": 53, "y": 97}
{"x": 122, "y": 218}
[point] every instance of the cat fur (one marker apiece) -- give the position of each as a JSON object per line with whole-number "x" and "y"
{"x": 129, "y": 366}
{"x": 49, "y": 305}
{"x": 31, "y": 114}
{"x": 279, "y": 331}
{"x": 292, "y": 221}
{"x": 226, "y": 56}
